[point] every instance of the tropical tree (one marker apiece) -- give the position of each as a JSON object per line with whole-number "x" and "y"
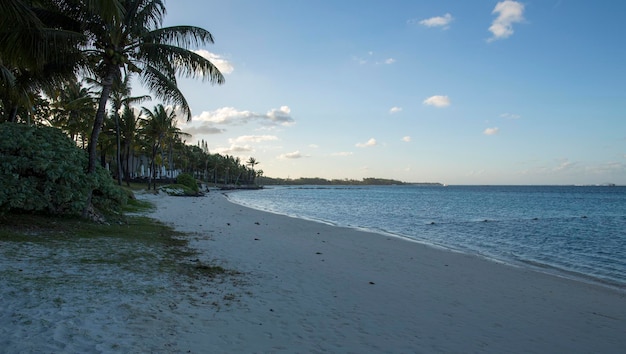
{"x": 129, "y": 129}
{"x": 172, "y": 140}
{"x": 126, "y": 35}
{"x": 252, "y": 162}
{"x": 39, "y": 48}
{"x": 157, "y": 127}
{"x": 72, "y": 106}
{"x": 121, "y": 95}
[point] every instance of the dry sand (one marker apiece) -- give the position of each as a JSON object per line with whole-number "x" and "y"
{"x": 311, "y": 287}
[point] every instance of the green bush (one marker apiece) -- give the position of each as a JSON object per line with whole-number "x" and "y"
{"x": 187, "y": 180}
{"x": 42, "y": 170}
{"x": 108, "y": 196}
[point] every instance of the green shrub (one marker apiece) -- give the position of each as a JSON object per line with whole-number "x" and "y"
{"x": 187, "y": 180}
{"x": 42, "y": 170}
{"x": 108, "y": 196}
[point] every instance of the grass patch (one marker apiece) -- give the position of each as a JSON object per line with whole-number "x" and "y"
{"x": 138, "y": 206}
{"x": 134, "y": 228}
{"x": 138, "y": 244}
{"x": 135, "y": 186}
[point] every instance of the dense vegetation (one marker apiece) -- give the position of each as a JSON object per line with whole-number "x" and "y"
{"x": 42, "y": 170}
{"x": 68, "y": 64}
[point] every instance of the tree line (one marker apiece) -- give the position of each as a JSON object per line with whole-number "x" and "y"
{"x": 317, "y": 181}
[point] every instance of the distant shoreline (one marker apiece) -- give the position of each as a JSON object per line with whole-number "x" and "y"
{"x": 317, "y": 181}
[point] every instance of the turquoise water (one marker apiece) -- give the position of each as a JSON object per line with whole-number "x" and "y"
{"x": 574, "y": 231}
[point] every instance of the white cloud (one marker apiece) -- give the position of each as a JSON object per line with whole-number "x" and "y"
{"x": 234, "y": 149}
{"x": 491, "y": 131}
{"x": 252, "y": 139}
{"x": 510, "y": 116}
{"x": 406, "y": 139}
{"x": 361, "y": 61}
{"x": 565, "y": 165}
{"x": 437, "y": 101}
{"x": 222, "y": 64}
{"x": 292, "y": 155}
{"x": 314, "y": 146}
{"x": 438, "y": 21}
{"x": 281, "y": 116}
{"x": 204, "y": 129}
{"x": 229, "y": 115}
{"x": 372, "y": 60}
{"x": 395, "y": 110}
{"x": 369, "y": 143}
{"x": 509, "y": 12}
{"x": 225, "y": 115}
{"x": 342, "y": 153}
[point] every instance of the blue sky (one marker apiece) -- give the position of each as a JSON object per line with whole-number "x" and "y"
{"x": 458, "y": 92}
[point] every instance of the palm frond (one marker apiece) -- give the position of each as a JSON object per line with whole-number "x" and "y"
{"x": 7, "y": 79}
{"x": 137, "y": 99}
{"x": 181, "y": 36}
{"x": 109, "y": 10}
{"x": 165, "y": 89}
{"x": 145, "y": 14}
{"x": 184, "y": 62}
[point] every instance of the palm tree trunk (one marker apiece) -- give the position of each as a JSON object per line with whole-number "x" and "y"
{"x": 152, "y": 174}
{"x": 97, "y": 124}
{"x": 127, "y": 158}
{"x": 119, "y": 147}
{"x": 95, "y": 132}
{"x": 13, "y": 115}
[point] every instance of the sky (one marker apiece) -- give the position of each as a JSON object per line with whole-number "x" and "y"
{"x": 456, "y": 92}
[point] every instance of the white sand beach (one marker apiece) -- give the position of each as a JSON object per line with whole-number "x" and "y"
{"x": 303, "y": 287}
{"x": 312, "y": 287}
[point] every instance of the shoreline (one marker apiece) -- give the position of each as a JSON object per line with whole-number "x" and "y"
{"x": 522, "y": 263}
{"x": 316, "y": 287}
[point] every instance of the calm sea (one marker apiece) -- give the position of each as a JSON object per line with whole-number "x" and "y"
{"x": 574, "y": 231}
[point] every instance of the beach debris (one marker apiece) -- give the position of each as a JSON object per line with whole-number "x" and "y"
{"x": 256, "y": 239}
{"x": 228, "y": 223}
{"x": 318, "y": 252}
{"x": 372, "y": 283}
{"x": 257, "y": 223}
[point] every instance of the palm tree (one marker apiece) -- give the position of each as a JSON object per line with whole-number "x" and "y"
{"x": 38, "y": 50}
{"x": 159, "y": 128}
{"x": 126, "y": 36}
{"x": 120, "y": 95}
{"x": 252, "y": 162}
{"x": 129, "y": 127}
{"x": 72, "y": 106}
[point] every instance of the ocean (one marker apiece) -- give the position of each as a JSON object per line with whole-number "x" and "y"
{"x": 573, "y": 231}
